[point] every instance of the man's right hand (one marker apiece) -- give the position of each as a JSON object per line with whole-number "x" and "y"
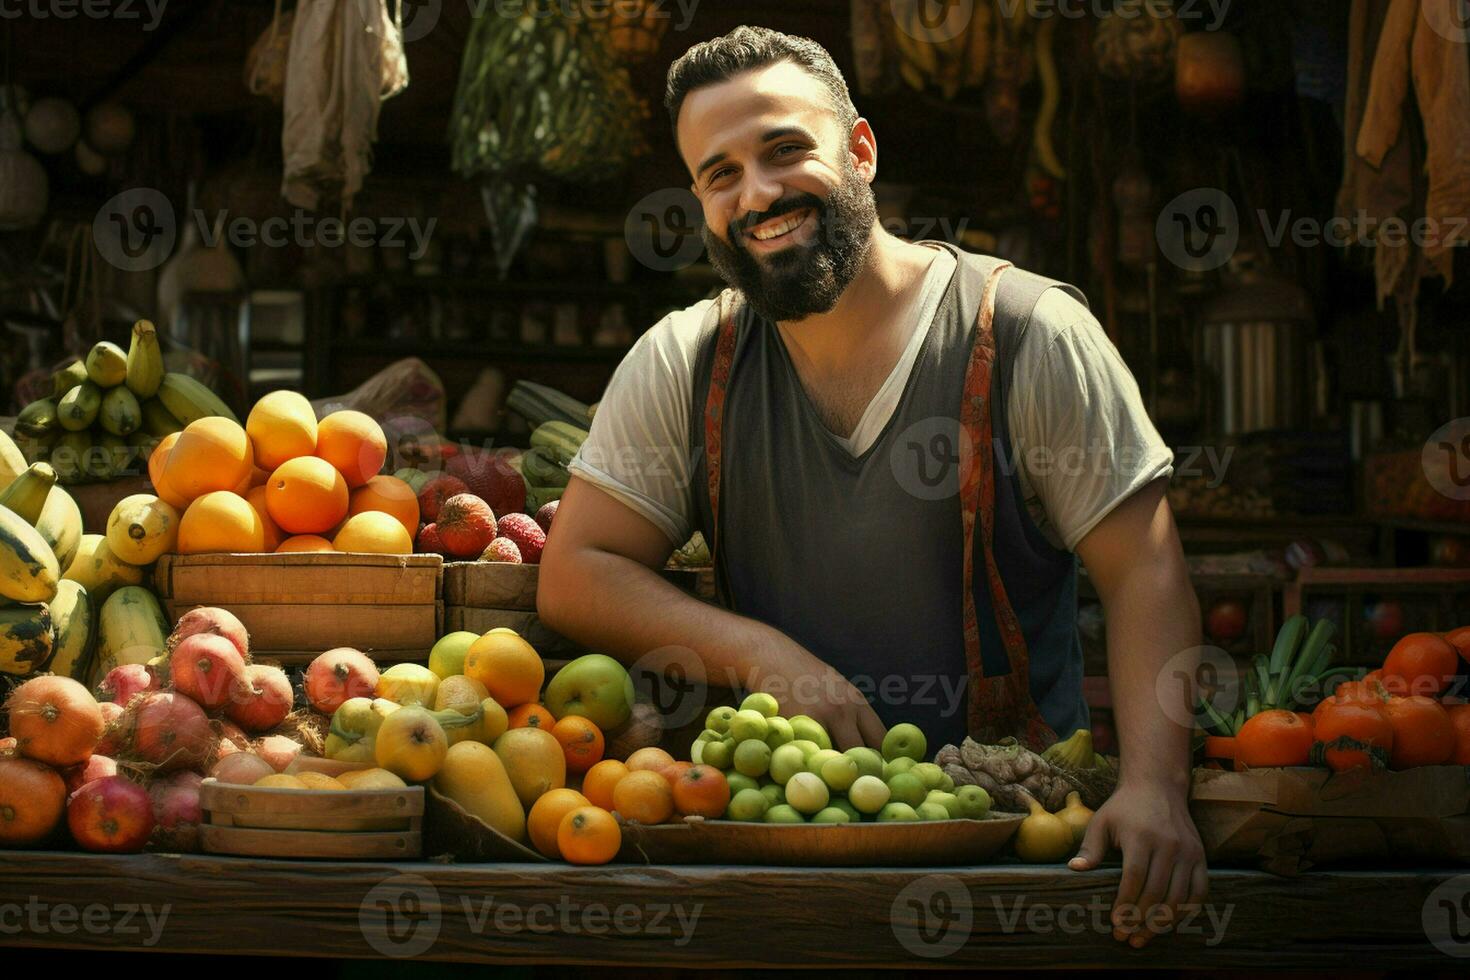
{"x": 805, "y": 685}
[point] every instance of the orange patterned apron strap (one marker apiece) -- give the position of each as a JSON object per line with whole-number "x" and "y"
{"x": 714, "y": 410}
{"x": 998, "y": 706}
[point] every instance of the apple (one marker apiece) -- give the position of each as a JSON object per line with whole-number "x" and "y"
{"x": 817, "y": 759}
{"x": 784, "y": 813}
{"x": 806, "y": 745}
{"x": 761, "y": 702}
{"x": 949, "y": 801}
{"x": 410, "y": 744}
{"x": 749, "y": 725}
{"x": 807, "y": 793}
{"x": 111, "y": 814}
{"x": 96, "y": 767}
{"x": 752, "y": 757}
{"x": 905, "y": 741}
{"x": 696, "y": 752}
{"x": 947, "y": 783}
{"x": 775, "y": 795}
{"x": 893, "y": 767}
{"x": 974, "y": 802}
{"x": 719, "y": 719}
{"x": 780, "y": 732}
{"x": 409, "y": 684}
{"x": 897, "y": 811}
{"x": 748, "y": 804}
{"x": 260, "y": 698}
{"x": 929, "y": 774}
{"x": 786, "y": 761}
{"x": 838, "y": 803}
{"x": 840, "y": 772}
{"x": 931, "y": 811}
{"x": 739, "y": 780}
{"x": 905, "y": 787}
{"x": 808, "y": 728}
{"x": 446, "y": 657}
{"x": 1226, "y": 621}
{"x": 595, "y": 687}
{"x": 868, "y": 794}
{"x": 719, "y": 753}
{"x": 831, "y": 814}
{"x": 869, "y": 762}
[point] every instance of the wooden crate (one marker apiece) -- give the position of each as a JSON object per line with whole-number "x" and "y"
{"x": 1435, "y": 599}
{"x": 296, "y": 606}
{"x": 310, "y": 823}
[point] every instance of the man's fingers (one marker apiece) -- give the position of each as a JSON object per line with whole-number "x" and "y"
{"x": 1130, "y": 885}
{"x": 1154, "y": 915}
{"x": 1177, "y": 900}
{"x": 870, "y": 727}
{"x": 1094, "y": 847}
{"x": 1199, "y": 883}
{"x": 844, "y": 733}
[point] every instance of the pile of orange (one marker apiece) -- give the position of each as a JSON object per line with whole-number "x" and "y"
{"x": 651, "y": 787}
{"x": 284, "y": 482}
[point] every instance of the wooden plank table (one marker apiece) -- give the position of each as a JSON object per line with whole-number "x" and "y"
{"x": 1001, "y": 916}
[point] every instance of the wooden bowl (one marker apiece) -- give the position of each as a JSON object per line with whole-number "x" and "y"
{"x": 450, "y": 830}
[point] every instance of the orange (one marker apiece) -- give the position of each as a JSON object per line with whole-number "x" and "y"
{"x": 306, "y": 496}
{"x": 300, "y": 543}
{"x": 598, "y": 783}
{"x": 544, "y": 820}
{"x": 1460, "y": 640}
{"x": 651, "y": 757}
{"x": 391, "y": 496}
{"x": 508, "y": 666}
{"x": 702, "y": 791}
{"x": 644, "y": 796}
{"x": 1420, "y": 663}
{"x": 282, "y": 426}
{"x": 353, "y": 443}
{"x": 273, "y": 534}
{"x": 258, "y": 476}
{"x": 581, "y": 740}
{"x": 211, "y": 454}
{"x": 220, "y": 521}
{"x": 1273, "y": 738}
{"x": 1422, "y": 732}
{"x": 531, "y": 715}
{"x": 1460, "y": 722}
{"x": 373, "y": 533}
{"x": 157, "y": 461}
{"x": 589, "y": 835}
{"x": 675, "y": 769}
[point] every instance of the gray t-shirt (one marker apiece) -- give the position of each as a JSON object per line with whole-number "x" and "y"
{"x": 1084, "y": 442}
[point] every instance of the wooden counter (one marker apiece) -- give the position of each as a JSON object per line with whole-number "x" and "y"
{"x": 998, "y": 916}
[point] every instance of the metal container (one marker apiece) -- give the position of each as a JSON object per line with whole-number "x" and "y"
{"x": 1253, "y": 350}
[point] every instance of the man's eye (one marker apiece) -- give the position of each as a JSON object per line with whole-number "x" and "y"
{"x": 786, "y": 146}
{"x": 720, "y": 173}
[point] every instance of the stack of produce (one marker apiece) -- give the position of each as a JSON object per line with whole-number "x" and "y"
{"x": 558, "y": 428}
{"x": 475, "y": 509}
{"x": 107, "y": 412}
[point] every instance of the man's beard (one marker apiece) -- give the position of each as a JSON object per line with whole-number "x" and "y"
{"x": 810, "y": 276}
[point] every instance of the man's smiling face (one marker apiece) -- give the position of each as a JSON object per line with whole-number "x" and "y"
{"x": 788, "y": 215}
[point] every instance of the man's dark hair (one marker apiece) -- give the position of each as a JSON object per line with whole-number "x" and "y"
{"x": 745, "y": 49}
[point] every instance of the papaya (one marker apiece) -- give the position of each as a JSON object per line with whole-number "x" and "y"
{"x": 61, "y": 526}
{"x": 12, "y": 460}
{"x": 98, "y": 570}
{"x": 130, "y": 620}
{"x": 27, "y": 493}
{"x": 26, "y": 639}
{"x": 473, "y": 776}
{"x": 73, "y": 618}
{"x": 28, "y": 568}
{"x": 142, "y": 527}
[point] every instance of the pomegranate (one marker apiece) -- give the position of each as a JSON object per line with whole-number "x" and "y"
{"x": 171, "y": 731}
{"x": 436, "y": 490}
{"x": 260, "y": 699}
{"x": 466, "y": 525}
{"x": 279, "y": 751}
{"x": 338, "y": 675}
{"x": 122, "y": 683}
{"x": 112, "y": 721}
{"x": 32, "y": 802}
{"x": 545, "y": 515}
{"x": 490, "y": 475}
{"x": 176, "y": 812}
{"x": 241, "y": 768}
{"x": 204, "y": 666}
{"x": 215, "y": 621}
{"x": 526, "y": 533}
{"x": 429, "y": 543}
{"x": 54, "y": 720}
{"x": 111, "y": 814}
{"x": 83, "y": 773}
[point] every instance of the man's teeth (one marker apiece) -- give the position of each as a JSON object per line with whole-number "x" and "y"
{"x": 781, "y": 229}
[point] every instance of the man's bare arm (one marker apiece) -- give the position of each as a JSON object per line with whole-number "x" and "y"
{"x": 600, "y": 585}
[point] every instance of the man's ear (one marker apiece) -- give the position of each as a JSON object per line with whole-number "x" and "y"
{"x": 863, "y": 146}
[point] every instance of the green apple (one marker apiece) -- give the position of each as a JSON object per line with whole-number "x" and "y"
{"x": 949, "y": 801}
{"x": 806, "y": 727}
{"x": 869, "y": 762}
{"x": 446, "y": 658}
{"x": 807, "y": 792}
{"x": 818, "y": 759}
{"x": 748, "y": 804}
{"x": 780, "y": 732}
{"x": 897, "y": 811}
{"x": 841, "y": 803}
{"x": 354, "y": 727}
{"x": 784, "y": 813}
{"x": 786, "y": 761}
{"x": 932, "y": 811}
{"x": 594, "y": 686}
{"x": 749, "y": 725}
{"x": 761, "y": 702}
{"x": 868, "y": 794}
{"x": 947, "y": 783}
{"x": 696, "y": 752}
{"x": 893, "y": 767}
{"x": 905, "y": 787}
{"x": 718, "y": 753}
{"x": 929, "y": 774}
{"x": 719, "y": 719}
{"x": 739, "y": 780}
{"x": 774, "y": 794}
{"x": 831, "y": 814}
{"x": 806, "y": 745}
{"x": 974, "y": 802}
{"x": 839, "y": 773}
{"x": 904, "y": 741}
{"x": 753, "y": 757}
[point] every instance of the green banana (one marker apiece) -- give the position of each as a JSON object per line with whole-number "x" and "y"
{"x": 68, "y": 378}
{"x": 27, "y": 493}
{"x": 145, "y": 361}
{"x": 120, "y": 413}
{"x": 107, "y": 364}
{"x": 78, "y": 407}
{"x": 188, "y": 400}
{"x": 38, "y": 419}
{"x": 159, "y": 421}
{"x": 67, "y": 456}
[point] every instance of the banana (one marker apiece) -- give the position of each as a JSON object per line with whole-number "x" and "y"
{"x": 12, "y": 460}
{"x": 107, "y": 364}
{"x": 78, "y": 408}
{"x": 28, "y": 569}
{"x": 120, "y": 413}
{"x": 188, "y": 400}
{"x": 98, "y": 570}
{"x": 98, "y": 461}
{"x": 68, "y": 378}
{"x": 61, "y": 526}
{"x": 159, "y": 421}
{"x": 68, "y": 454}
{"x": 119, "y": 455}
{"x": 38, "y": 419}
{"x": 26, "y": 639}
{"x": 27, "y": 494}
{"x": 145, "y": 361}
{"x": 73, "y": 616}
{"x": 1051, "y": 97}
